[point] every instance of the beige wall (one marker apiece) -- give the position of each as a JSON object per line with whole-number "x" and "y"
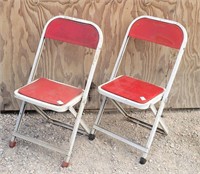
{"x": 21, "y": 23}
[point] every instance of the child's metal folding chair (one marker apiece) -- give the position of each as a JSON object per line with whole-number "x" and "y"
{"x": 138, "y": 93}
{"x": 54, "y": 95}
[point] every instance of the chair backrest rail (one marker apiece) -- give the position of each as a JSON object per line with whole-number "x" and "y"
{"x": 71, "y": 30}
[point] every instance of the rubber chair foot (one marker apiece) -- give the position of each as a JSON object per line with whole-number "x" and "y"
{"x": 91, "y": 137}
{"x": 64, "y": 164}
{"x": 12, "y": 144}
{"x": 142, "y": 160}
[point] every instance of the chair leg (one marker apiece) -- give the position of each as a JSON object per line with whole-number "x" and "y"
{"x": 12, "y": 142}
{"x": 91, "y": 136}
{"x": 66, "y": 163}
{"x": 120, "y": 108}
{"x": 162, "y": 123}
{"x": 138, "y": 121}
{"x": 82, "y": 123}
{"x": 153, "y": 132}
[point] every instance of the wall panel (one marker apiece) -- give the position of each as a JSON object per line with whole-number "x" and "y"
{"x": 21, "y": 24}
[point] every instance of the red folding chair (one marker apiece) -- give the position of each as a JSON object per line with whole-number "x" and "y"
{"x": 54, "y": 95}
{"x": 138, "y": 93}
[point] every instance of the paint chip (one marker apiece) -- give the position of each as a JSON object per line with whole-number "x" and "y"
{"x": 143, "y": 98}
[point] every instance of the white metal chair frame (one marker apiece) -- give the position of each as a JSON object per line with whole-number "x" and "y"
{"x": 162, "y": 97}
{"x": 82, "y": 98}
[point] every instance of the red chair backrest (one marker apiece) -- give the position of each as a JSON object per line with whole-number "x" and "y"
{"x": 73, "y": 32}
{"x": 156, "y": 31}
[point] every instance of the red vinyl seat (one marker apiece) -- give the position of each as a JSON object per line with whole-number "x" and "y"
{"x": 51, "y": 92}
{"x": 133, "y": 89}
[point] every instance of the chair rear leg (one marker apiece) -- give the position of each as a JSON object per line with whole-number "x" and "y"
{"x": 120, "y": 108}
{"x": 91, "y": 136}
{"x": 12, "y": 142}
{"x": 83, "y": 124}
{"x": 162, "y": 123}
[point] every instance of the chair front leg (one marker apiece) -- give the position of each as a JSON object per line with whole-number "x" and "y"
{"x": 12, "y": 142}
{"x": 73, "y": 135}
{"x": 153, "y": 132}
